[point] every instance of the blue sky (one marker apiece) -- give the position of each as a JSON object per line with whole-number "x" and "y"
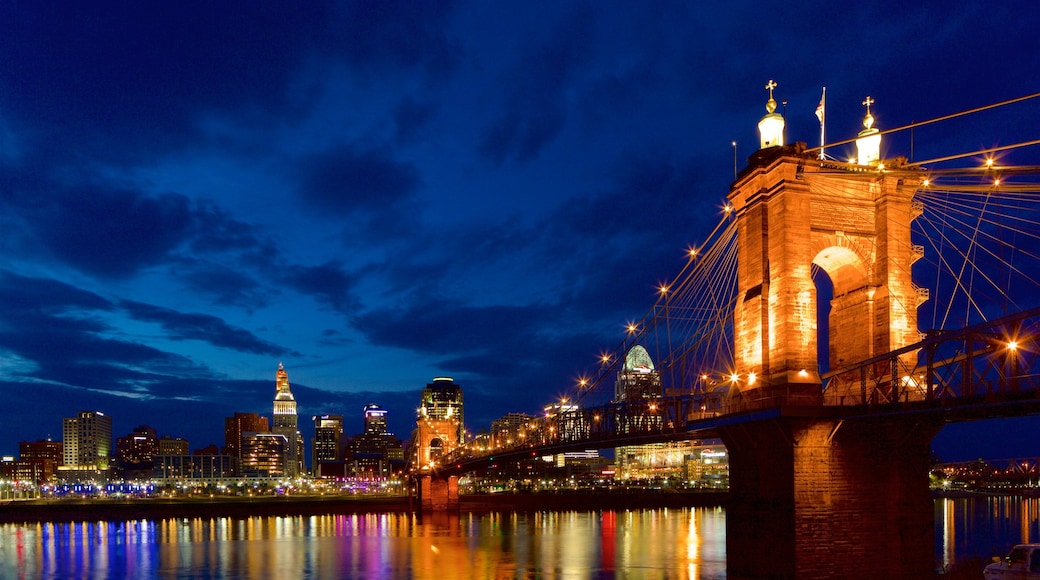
{"x": 378, "y": 193}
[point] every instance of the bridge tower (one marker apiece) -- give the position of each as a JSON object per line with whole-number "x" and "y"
{"x": 438, "y": 432}
{"x": 805, "y": 484}
{"x": 794, "y": 211}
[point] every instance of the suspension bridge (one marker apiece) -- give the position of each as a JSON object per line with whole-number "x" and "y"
{"x": 837, "y": 316}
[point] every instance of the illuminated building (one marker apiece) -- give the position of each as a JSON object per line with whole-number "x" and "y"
{"x": 87, "y": 440}
{"x": 442, "y": 401}
{"x": 42, "y": 449}
{"x": 234, "y": 427}
{"x": 327, "y": 446}
{"x": 38, "y": 460}
{"x": 375, "y": 419}
{"x": 264, "y": 454}
{"x": 376, "y": 452}
{"x": 135, "y": 451}
{"x": 285, "y": 423}
{"x": 639, "y": 382}
{"x": 193, "y": 469}
{"x": 508, "y": 429}
{"x": 175, "y": 446}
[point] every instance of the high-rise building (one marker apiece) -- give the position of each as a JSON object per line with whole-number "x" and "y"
{"x": 264, "y": 454}
{"x": 327, "y": 446}
{"x": 234, "y": 427}
{"x": 135, "y": 451}
{"x": 87, "y": 440}
{"x": 285, "y": 423}
{"x": 376, "y": 452}
{"x": 442, "y": 399}
{"x": 375, "y": 419}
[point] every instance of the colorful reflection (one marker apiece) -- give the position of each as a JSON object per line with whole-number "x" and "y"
{"x": 672, "y": 543}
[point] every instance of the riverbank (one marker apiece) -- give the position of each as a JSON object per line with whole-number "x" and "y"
{"x": 68, "y": 510}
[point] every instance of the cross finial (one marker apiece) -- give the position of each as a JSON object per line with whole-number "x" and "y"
{"x": 868, "y": 102}
{"x": 770, "y": 104}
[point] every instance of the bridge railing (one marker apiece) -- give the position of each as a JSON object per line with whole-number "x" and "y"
{"x": 996, "y": 358}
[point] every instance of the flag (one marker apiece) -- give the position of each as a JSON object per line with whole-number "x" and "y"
{"x": 819, "y": 108}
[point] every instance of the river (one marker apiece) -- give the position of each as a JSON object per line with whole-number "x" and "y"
{"x": 648, "y": 543}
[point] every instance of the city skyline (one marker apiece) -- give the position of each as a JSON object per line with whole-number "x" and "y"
{"x": 377, "y": 194}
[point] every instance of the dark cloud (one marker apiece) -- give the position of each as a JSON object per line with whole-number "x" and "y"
{"x": 131, "y": 77}
{"x": 112, "y": 233}
{"x": 20, "y": 295}
{"x": 328, "y": 283}
{"x": 410, "y": 117}
{"x": 349, "y": 180}
{"x": 535, "y": 109}
{"x": 377, "y": 33}
{"x": 204, "y": 327}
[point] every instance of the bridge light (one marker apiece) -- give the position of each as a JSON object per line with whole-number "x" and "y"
{"x": 926, "y": 182}
{"x": 996, "y": 182}
{"x": 734, "y": 377}
{"x": 989, "y": 162}
{"x": 692, "y": 252}
{"x": 605, "y": 358}
{"x": 751, "y": 378}
{"x": 663, "y": 289}
{"x": 632, "y": 327}
{"x": 1012, "y": 345}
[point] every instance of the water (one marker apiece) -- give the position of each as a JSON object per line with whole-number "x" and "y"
{"x": 665, "y": 543}
{"x": 660, "y": 543}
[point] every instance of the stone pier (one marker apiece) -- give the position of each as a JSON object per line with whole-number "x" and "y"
{"x": 830, "y": 498}
{"x": 437, "y": 493}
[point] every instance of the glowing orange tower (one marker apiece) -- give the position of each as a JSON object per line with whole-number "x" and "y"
{"x": 852, "y": 220}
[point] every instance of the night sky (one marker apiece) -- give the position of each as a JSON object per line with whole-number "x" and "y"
{"x": 379, "y": 193}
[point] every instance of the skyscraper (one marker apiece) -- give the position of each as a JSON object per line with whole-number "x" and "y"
{"x": 285, "y": 423}
{"x": 328, "y": 440}
{"x": 87, "y": 440}
{"x": 375, "y": 419}
{"x": 235, "y": 426}
{"x": 442, "y": 399}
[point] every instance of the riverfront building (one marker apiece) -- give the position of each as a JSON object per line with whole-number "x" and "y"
{"x": 87, "y": 440}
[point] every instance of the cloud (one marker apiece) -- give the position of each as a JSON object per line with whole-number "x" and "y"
{"x": 204, "y": 327}
{"x": 349, "y": 180}
{"x": 535, "y": 108}
{"x": 328, "y": 283}
{"x": 410, "y": 117}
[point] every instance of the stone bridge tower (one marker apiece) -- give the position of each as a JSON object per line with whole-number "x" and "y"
{"x": 802, "y": 479}
{"x": 852, "y": 220}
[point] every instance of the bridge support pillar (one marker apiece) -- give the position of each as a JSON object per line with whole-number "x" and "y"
{"x": 829, "y": 498}
{"x": 437, "y": 493}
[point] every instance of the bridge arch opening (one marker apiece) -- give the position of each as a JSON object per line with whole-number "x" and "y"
{"x": 436, "y": 449}
{"x": 844, "y": 305}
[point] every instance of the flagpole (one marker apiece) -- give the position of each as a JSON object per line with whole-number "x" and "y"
{"x": 823, "y": 121}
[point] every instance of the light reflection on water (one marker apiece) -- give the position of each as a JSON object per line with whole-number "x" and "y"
{"x": 984, "y": 526}
{"x": 663, "y": 543}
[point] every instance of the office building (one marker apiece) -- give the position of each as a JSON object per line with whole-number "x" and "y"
{"x": 286, "y": 423}
{"x": 87, "y": 441}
